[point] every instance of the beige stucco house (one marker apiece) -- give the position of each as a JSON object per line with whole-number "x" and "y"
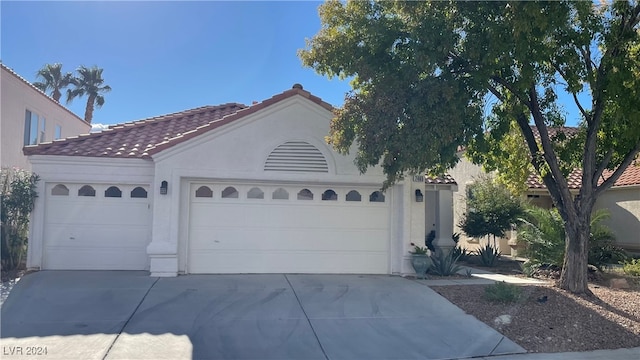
{"x": 227, "y": 189}
{"x": 28, "y": 117}
{"x": 622, "y": 201}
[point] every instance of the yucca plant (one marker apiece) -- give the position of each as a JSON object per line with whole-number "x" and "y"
{"x": 444, "y": 264}
{"x": 489, "y": 255}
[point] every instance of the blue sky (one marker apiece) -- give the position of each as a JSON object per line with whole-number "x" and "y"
{"x": 163, "y": 57}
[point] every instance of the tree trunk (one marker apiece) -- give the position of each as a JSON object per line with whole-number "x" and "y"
{"x": 88, "y": 113}
{"x": 575, "y": 267}
{"x": 56, "y": 95}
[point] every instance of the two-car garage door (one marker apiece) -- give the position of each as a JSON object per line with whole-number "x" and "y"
{"x": 267, "y": 228}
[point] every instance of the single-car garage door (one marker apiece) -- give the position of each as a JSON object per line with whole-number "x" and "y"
{"x": 96, "y": 227}
{"x": 253, "y": 228}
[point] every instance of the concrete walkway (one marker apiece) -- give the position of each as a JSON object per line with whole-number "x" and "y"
{"x": 482, "y": 277}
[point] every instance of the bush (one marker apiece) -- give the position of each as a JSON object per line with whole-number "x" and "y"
{"x": 460, "y": 253}
{"x": 632, "y": 267}
{"x": 502, "y": 292}
{"x": 602, "y": 248}
{"x": 444, "y": 265}
{"x": 543, "y": 233}
{"x": 17, "y": 198}
{"x": 489, "y": 255}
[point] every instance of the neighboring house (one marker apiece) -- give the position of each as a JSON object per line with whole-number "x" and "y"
{"x": 622, "y": 201}
{"x": 227, "y": 189}
{"x": 28, "y": 116}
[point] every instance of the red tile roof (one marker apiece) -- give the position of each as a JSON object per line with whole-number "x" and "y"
{"x": 631, "y": 176}
{"x": 445, "y": 179}
{"x": 142, "y": 139}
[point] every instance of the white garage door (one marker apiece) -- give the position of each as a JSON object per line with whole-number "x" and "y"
{"x": 245, "y": 228}
{"x": 96, "y": 227}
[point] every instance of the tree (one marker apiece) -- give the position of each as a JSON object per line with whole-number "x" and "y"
{"x": 88, "y": 82}
{"x": 53, "y": 79}
{"x": 17, "y": 198}
{"x": 423, "y": 73}
{"x": 491, "y": 210}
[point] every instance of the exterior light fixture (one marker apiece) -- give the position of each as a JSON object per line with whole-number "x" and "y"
{"x": 164, "y": 186}
{"x": 419, "y": 196}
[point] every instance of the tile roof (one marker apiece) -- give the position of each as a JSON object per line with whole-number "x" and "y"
{"x": 143, "y": 138}
{"x": 631, "y": 176}
{"x": 17, "y": 76}
{"x": 445, "y": 179}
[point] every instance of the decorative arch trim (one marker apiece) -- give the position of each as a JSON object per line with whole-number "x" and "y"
{"x": 296, "y": 156}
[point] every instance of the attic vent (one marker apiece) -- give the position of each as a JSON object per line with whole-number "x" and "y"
{"x": 296, "y": 156}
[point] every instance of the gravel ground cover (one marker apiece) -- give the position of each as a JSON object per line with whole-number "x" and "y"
{"x": 547, "y": 319}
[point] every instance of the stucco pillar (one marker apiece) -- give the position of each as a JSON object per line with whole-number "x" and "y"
{"x": 444, "y": 221}
{"x": 163, "y": 253}
{"x": 414, "y": 217}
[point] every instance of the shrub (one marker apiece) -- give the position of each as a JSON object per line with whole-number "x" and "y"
{"x": 444, "y": 265}
{"x": 543, "y": 233}
{"x": 461, "y": 254}
{"x": 502, "y": 292}
{"x": 17, "y": 198}
{"x": 631, "y": 267}
{"x": 602, "y": 248}
{"x": 488, "y": 255}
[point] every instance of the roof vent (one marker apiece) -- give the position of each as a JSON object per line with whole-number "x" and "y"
{"x": 297, "y": 86}
{"x": 296, "y": 156}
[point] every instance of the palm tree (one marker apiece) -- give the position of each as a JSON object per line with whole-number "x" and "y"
{"x": 53, "y": 79}
{"x": 88, "y": 82}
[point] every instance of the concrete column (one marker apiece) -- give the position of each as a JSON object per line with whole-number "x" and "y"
{"x": 444, "y": 221}
{"x": 163, "y": 253}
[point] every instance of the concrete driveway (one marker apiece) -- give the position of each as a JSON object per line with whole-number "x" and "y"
{"x": 129, "y": 315}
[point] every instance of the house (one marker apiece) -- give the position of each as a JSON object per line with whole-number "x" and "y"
{"x": 28, "y": 116}
{"x": 622, "y": 201}
{"x": 227, "y": 189}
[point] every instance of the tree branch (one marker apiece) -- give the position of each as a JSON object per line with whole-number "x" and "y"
{"x": 575, "y": 97}
{"x": 603, "y": 165}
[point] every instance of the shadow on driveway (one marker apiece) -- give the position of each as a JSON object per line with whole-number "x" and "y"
{"x": 129, "y": 315}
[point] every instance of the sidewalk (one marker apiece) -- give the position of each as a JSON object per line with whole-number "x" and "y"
{"x": 482, "y": 277}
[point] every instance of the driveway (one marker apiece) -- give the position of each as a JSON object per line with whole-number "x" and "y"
{"x": 129, "y": 315}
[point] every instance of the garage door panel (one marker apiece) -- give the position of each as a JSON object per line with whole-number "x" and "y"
{"x": 96, "y": 212}
{"x": 264, "y": 235}
{"x": 124, "y": 237}
{"x": 293, "y": 239}
{"x": 269, "y": 215}
{"x": 87, "y": 258}
{"x": 290, "y": 262}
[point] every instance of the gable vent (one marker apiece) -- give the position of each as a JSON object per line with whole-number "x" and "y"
{"x": 296, "y": 156}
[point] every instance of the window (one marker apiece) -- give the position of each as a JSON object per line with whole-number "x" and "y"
{"x": 329, "y": 195}
{"x": 353, "y": 196}
{"x": 280, "y": 194}
{"x": 113, "y": 191}
{"x": 255, "y": 193}
{"x": 230, "y": 193}
{"x": 60, "y": 190}
{"x": 35, "y": 129}
{"x": 376, "y": 196}
{"x": 204, "y": 191}
{"x": 305, "y": 194}
{"x": 86, "y": 190}
{"x": 138, "y": 192}
{"x": 58, "y": 133}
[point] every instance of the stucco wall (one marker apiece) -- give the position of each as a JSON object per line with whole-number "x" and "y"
{"x": 623, "y": 204}
{"x": 464, "y": 173}
{"x": 16, "y": 97}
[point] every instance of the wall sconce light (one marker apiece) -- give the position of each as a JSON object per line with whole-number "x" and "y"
{"x": 419, "y": 196}
{"x": 164, "y": 186}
